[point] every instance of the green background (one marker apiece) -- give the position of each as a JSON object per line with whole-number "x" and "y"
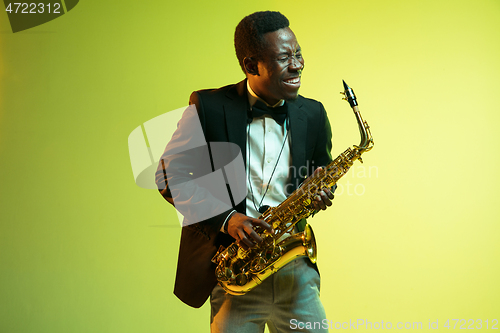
{"x": 412, "y": 236}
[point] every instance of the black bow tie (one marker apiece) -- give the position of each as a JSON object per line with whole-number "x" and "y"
{"x": 260, "y": 109}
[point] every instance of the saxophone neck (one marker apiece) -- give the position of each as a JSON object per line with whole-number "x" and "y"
{"x": 366, "y": 142}
{"x": 364, "y": 130}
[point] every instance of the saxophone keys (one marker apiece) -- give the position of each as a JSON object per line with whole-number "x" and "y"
{"x": 228, "y": 273}
{"x": 268, "y": 238}
{"x": 241, "y": 279}
{"x": 224, "y": 274}
{"x": 258, "y": 264}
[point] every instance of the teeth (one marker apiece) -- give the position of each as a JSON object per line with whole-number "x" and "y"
{"x": 294, "y": 80}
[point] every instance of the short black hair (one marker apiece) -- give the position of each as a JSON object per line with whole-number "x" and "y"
{"x": 248, "y": 37}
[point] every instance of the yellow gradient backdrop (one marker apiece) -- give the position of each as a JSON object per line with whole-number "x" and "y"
{"x": 413, "y": 233}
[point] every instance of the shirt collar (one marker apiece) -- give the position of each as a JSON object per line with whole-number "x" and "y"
{"x": 252, "y": 98}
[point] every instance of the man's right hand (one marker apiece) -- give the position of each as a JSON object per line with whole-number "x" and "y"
{"x": 241, "y": 228}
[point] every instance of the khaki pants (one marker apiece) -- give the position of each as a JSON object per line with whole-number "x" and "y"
{"x": 287, "y": 301}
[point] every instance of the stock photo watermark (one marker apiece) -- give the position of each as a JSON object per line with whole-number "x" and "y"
{"x": 28, "y": 14}
{"x": 354, "y": 324}
{"x": 352, "y": 184}
{"x": 206, "y": 179}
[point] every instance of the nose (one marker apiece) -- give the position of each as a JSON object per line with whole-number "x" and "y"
{"x": 297, "y": 62}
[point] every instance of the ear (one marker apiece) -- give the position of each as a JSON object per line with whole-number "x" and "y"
{"x": 251, "y": 66}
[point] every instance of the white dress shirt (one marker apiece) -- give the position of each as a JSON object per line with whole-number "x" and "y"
{"x": 268, "y": 160}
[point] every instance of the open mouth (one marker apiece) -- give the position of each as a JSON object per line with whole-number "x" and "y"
{"x": 293, "y": 82}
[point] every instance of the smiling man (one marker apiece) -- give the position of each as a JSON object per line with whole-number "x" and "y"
{"x": 284, "y": 138}
{"x": 274, "y": 75}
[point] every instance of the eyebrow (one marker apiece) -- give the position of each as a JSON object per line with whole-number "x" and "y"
{"x": 299, "y": 49}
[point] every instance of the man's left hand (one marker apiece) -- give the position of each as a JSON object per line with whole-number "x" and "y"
{"x": 323, "y": 198}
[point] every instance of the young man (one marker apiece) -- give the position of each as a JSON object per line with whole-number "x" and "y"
{"x": 281, "y": 146}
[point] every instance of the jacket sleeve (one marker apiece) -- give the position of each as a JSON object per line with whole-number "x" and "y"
{"x": 185, "y": 175}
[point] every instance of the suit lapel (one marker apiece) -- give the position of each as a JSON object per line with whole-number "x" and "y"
{"x": 235, "y": 113}
{"x": 298, "y": 131}
{"x": 298, "y": 126}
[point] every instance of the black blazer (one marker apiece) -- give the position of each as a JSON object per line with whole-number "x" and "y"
{"x": 223, "y": 116}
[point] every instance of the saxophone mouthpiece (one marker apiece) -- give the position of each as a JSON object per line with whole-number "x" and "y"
{"x": 349, "y": 95}
{"x": 346, "y": 87}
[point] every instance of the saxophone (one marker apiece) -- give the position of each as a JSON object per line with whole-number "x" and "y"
{"x": 238, "y": 270}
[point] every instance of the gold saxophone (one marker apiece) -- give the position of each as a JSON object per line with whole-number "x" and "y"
{"x": 238, "y": 270}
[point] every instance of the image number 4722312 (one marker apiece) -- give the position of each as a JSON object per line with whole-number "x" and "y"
{"x": 26, "y": 15}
